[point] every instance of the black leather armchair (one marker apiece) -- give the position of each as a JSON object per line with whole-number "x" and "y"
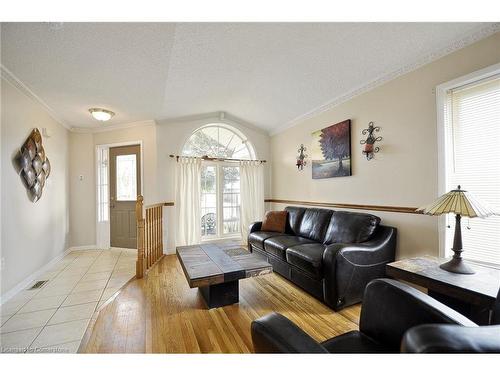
{"x": 440, "y": 338}
{"x": 389, "y": 314}
{"x": 435, "y": 338}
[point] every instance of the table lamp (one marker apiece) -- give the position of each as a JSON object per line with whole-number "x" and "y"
{"x": 461, "y": 203}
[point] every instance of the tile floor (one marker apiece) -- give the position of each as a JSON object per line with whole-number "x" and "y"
{"x": 53, "y": 319}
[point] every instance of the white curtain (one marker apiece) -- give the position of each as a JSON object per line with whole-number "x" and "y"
{"x": 188, "y": 176}
{"x": 252, "y": 194}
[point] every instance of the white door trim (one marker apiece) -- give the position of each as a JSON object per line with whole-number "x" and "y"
{"x": 103, "y": 235}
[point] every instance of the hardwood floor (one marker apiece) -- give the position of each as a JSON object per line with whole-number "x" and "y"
{"x": 161, "y": 314}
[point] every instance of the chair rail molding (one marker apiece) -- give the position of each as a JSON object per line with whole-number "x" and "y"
{"x": 367, "y": 207}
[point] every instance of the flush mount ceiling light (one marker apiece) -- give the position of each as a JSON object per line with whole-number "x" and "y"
{"x": 101, "y": 114}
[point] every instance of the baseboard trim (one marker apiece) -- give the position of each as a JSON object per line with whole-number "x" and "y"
{"x": 35, "y": 275}
{"x": 27, "y": 281}
{"x": 168, "y": 251}
{"x": 86, "y": 247}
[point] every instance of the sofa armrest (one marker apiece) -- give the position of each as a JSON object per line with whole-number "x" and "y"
{"x": 379, "y": 249}
{"x": 255, "y": 227}
{"x": 445, "y": 338}
{"x": 274, "y": 333}
{"x": 348, "y": 268}
{"x": 390, "y": 308}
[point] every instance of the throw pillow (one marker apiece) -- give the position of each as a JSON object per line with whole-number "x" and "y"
{"x": 274, "y": 221}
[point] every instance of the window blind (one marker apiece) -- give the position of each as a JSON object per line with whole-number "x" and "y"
{"x": 472, "y": 160}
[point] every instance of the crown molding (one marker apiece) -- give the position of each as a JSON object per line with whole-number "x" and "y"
{"x": 225, "y": 117}
{"x": 109, "y": 128}
{"x": 455, "y": 46}
{"x": 10, "y": 77}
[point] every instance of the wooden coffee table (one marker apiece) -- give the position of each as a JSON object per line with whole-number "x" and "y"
{"x": 217, "y": 268}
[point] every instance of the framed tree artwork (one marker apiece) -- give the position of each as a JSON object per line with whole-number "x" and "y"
{"x": 331, "y": 151}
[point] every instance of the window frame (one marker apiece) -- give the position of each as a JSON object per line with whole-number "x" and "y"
{"x": 219, "y": 179}
{"x": 441, "y": 95}
{"x": 220, "y": 196}
{"x": 234, "y": 130}
{"x": 220, "y": 204}
{"x": 212, "y": 236}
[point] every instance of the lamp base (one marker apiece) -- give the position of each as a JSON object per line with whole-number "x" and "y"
{"x": 457, "y": 266}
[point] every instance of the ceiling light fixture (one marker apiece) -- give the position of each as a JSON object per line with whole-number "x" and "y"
{"x": 101, "y": 114}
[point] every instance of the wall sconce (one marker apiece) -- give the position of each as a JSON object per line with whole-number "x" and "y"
{"x": 369, "y": 149}
{"x": 301, "y": 158}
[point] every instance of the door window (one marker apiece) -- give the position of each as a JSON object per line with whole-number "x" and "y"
{"x": 126, "y": 178}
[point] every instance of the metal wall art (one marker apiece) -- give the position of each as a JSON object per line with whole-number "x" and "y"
{"x": 369, "y": 148}
{"x": 33, "y": 165}
{"x": 301, "y": 158}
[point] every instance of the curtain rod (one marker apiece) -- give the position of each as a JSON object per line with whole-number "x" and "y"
{"x": 217, "y": 159}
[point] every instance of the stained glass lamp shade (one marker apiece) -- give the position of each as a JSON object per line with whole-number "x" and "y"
{"x": 461, "y": 203}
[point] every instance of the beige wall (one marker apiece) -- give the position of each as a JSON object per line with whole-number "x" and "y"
{"x": 82, "y": 191}
{"x": 404, "y": 173}
{"x": 32, "y": 233}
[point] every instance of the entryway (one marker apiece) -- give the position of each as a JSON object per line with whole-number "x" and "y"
{"x": 125, "y": 185}
{"x": 119, "y": 182}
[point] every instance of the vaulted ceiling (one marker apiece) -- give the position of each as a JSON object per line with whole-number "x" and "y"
{"x": 268, "y": 74}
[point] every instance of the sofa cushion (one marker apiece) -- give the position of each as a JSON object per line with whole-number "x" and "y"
{"x": 350, "y": 227}
{"x": 307, "y": 257}
{"x": 274, "y": 221}
{"x": 277, "y": 245}
{"x": 294, "y": 219}
{"x": 257, "y": 238}
{"x": 314, "y": 223}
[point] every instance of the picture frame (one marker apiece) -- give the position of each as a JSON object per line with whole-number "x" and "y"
{"x": 331, "y": 151}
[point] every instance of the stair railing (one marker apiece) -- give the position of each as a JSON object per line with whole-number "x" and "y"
{"x": 149, "y": 234}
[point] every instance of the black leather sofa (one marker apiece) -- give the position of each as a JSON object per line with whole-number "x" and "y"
{"x": 333, "y": 255}
{"x": 394, "y": 318}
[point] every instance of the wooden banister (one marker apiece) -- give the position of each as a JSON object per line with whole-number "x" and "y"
{"x": 149, "y": 234}
{"x": 139, "y": 269}
{"x": 160, "y": 204}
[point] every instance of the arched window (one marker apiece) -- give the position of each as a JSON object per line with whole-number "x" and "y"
{"x": 220, "y": 180}
{"x": 218, "y": 141}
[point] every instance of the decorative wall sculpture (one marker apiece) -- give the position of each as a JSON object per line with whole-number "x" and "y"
{"x": 369, "y": 148}
{"x": 331, "y": 151}
{"x": 33, "y": 165}
{"x": 301, "y": 158}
